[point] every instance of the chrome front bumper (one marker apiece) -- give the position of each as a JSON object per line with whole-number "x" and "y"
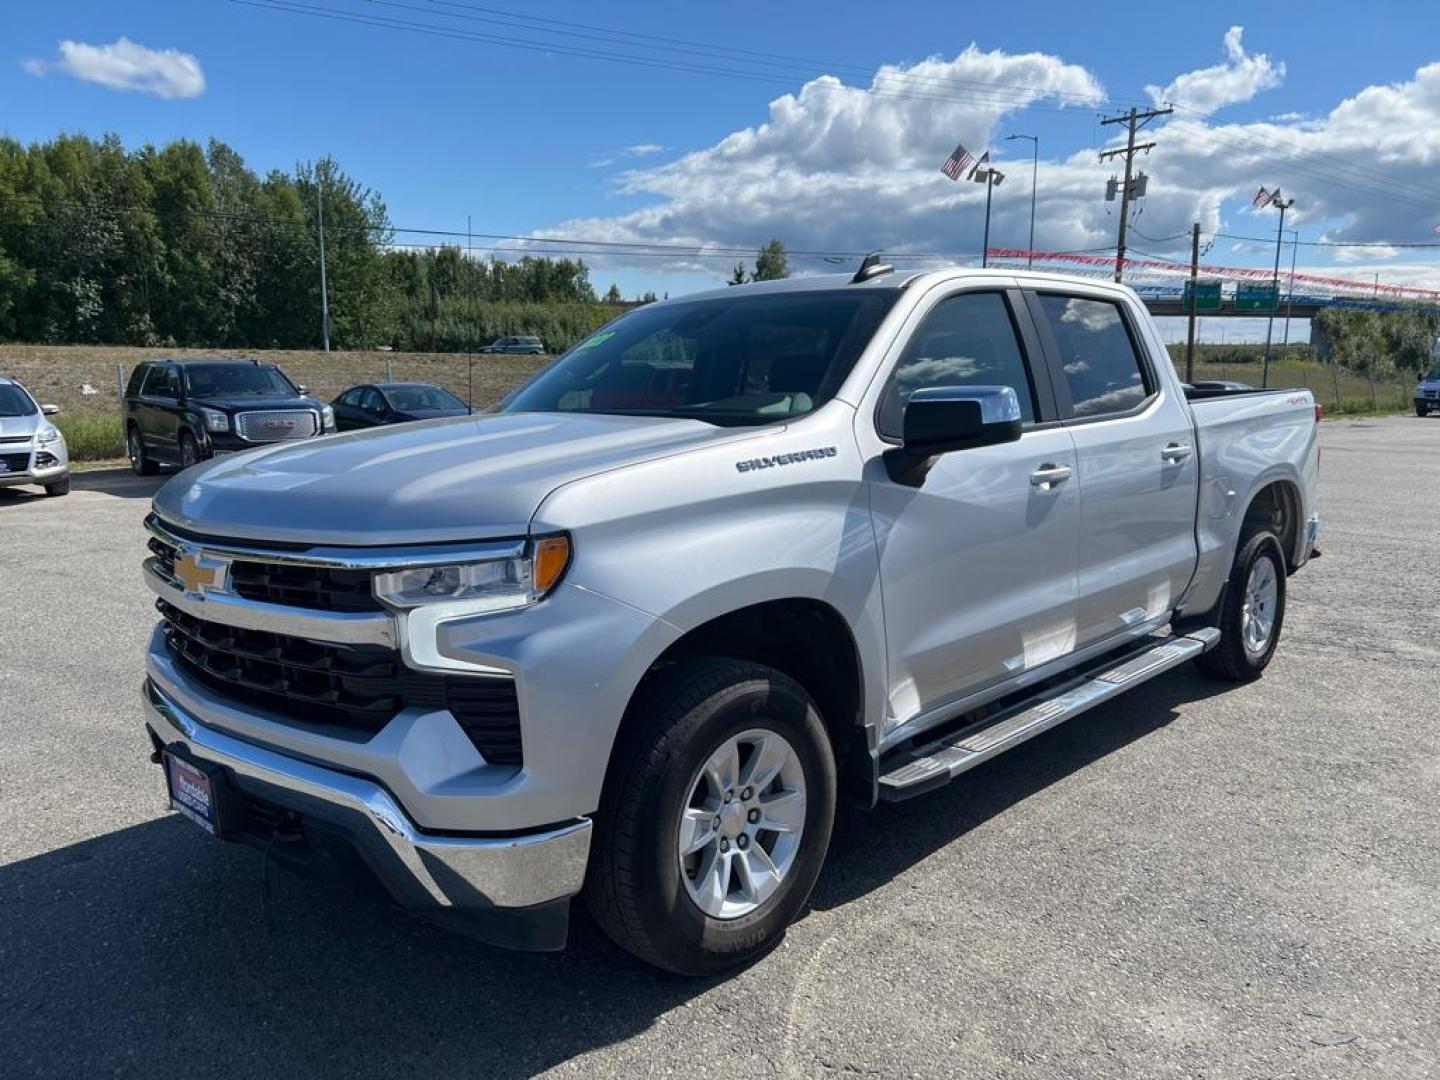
{"x": 451, "y": 877}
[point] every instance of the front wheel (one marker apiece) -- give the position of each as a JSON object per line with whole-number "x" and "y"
{"x": 1252, "y": 611}
{"x": 715, "y": 818}
{"x": 58, "y": 487}
{"x": 1422, "y": 410}
{"x": 189, "y": 451}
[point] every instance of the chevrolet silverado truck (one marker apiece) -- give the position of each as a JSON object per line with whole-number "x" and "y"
{"x": 181, "y": 412}
{"x": 730, "y": 559}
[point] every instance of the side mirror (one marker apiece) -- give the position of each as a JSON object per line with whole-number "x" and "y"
{"x": 302, "y": 389}
{"x": 49, "y": 410}
{"x": 941, "y": 419}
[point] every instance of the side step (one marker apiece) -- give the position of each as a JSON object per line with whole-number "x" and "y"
{"x": 924, "y": 768}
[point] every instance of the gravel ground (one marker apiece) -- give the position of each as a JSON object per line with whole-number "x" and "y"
{"x": 1192, "y": 881}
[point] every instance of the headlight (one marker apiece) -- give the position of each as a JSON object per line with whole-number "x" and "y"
{"x": 327, "y": 418}
{"x": 490, "y": 585}
{"x": 215, "y": 420}
{"x": 48, "y": 435}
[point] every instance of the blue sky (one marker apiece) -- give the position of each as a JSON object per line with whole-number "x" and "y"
{"x": 529, "y": 141}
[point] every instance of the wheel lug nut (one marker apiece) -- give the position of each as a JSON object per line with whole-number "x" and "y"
{"x": 745, "y": 795}
{"x": 716, "y": 823}
{"x": 753, "y": 816}
{"x": 742, "y": 841}
{"x": 729, "y": 796}
{"x": 724, "y": 844}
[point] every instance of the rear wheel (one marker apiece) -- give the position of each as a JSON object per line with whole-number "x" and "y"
{"x": 1252, "y": 611}
{"x": 715, "y": 819}
{"x": 58, "y": 487}
{"x": 135, "y": 448}
{"x": 1421, "y": 409}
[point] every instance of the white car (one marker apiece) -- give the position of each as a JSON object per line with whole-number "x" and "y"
{"x": 32, "y": 449}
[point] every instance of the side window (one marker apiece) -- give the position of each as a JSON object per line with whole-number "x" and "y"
{"x": 372, "y": 402}
{"x": 967, "y": 340}
{"x": 163, "y": 382}
{"x": 137, "y": 380}
{"x": 1101, "y": 367}
{"x": 351, "y": 397}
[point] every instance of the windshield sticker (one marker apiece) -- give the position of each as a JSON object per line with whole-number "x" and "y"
{"x": 785, "y": 459}
{"x": 595, "y": 339}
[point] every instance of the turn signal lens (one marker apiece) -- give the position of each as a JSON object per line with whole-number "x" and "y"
{"x": 552, "y": 556}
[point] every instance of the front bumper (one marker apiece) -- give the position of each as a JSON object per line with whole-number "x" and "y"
{"x": 40, "y": 474}
{"x": 510, "y": 889}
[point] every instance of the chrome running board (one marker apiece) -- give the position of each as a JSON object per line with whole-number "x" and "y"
{"x": 924, "y": 767}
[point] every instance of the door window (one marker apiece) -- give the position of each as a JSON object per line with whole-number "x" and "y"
{"x": 164, "y": 382}
{"x": 966, "y": 340}
{"x": 372, "y": 402}
{"x": 1102, "y": 368}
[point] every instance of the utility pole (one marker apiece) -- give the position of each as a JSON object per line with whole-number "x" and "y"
{"x": 1283, "y": 204}
{"x": 1034, "y": 186}
{"x": 324, "y": 292}
{"x": 1194, "y": 290}
{"x": 1290, "y": 296}
{"x": 1134, "y": 120}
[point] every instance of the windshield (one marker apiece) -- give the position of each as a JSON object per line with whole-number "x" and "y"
{"x": 750, "y": 359}
{"x": 1433, "y": 373}
{"x": 237, "y": 380}
{"x": 421, "y": 398}
{"x": 15, "y": 401}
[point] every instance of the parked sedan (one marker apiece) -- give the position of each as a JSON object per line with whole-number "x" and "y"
{"x": 531, "y": 346}
{"x": 32, "y": 449}
{"x": 376, "y": 404}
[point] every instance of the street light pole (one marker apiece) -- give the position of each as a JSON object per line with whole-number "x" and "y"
{"x": 324, "y": 291}
{"x": 1034, "y": 186}
{"x": 990, "y": 177}
{"x": 1283, "y": 204}
{"x": 1290, "y": 296}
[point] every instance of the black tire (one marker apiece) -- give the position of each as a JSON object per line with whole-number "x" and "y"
{"x": 189, "y": 450}
{"x": 634, "y": 884}
{"x": 1232, "y": 659}
{"x": 58, "y": 487}
{"x": 139, "y": 461}
{"x": 1422, "y": 410}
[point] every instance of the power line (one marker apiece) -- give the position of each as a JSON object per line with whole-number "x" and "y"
{"x": 1133, "y": 120}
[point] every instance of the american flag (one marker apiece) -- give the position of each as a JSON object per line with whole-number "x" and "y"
{"x": 958, "y": 162}
{"x": 1263, "y": 198}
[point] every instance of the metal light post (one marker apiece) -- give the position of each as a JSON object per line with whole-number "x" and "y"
{"x": 1034, "y": 184}
{"x": 1290, "y": 296}
{"x": 990, "y": 177}
{"x": 324, "y": 291}
{"x": 1283, "y": 204}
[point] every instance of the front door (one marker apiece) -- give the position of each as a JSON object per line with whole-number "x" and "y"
{"x": 1139, "y": 472}
{"x": 977, "y": 563}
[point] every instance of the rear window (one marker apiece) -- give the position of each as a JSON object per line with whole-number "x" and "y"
{"x": 1101, "y": 366}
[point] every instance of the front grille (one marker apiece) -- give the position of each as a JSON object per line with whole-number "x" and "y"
{"x": 354, "y": 687}
{"x": 323, "y": 588}
{"x": 275, "y": 425}
{"x": 16, "y": 462}
{"x": 320, "y": 588}
{"x": 15, "y": 438}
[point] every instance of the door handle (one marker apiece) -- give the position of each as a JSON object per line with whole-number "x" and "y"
{"x": 1047, "y": 475}
{"x": 1174, "y": 453}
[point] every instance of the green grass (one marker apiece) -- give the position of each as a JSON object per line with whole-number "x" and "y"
{"x": 92, "y": 436}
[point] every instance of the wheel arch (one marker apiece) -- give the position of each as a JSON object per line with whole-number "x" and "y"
{"x": 803, "y": 637}
{"x": 1276, "y": 506}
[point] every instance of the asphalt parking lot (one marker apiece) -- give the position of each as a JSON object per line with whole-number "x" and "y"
{"x": 1195, "y": 880}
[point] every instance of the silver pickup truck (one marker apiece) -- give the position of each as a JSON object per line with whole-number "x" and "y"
{"x": 730, "y": 559}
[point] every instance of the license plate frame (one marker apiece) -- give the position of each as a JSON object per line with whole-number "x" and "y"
{"x": 195, "y": 790}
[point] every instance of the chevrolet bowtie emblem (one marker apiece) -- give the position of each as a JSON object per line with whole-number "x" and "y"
{"x": 194, "y": 575}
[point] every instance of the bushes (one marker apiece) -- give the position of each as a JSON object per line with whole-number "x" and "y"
{"x": 92, "y": 436}
{"x": 461, "y": 327}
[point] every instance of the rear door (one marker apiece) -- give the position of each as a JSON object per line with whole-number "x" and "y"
{"x": 977, "y": 563}
{"x": 1138, "y": 470}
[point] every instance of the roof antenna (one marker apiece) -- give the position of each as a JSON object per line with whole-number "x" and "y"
{"x": 871, "y": 267}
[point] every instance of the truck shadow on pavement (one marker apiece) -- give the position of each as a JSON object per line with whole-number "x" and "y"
{"x": 117, "y": 483}
{"x": 154, "y": 951}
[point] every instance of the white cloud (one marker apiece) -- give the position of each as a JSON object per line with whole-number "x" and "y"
{"x": 644, "y": 149}
{"x": 842, "y": 168}
{"x": 126, "y": 65}
{"x": 1238, "y": 79}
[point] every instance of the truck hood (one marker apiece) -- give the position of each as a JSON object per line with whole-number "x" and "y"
{"x": 468, "y": 478}
{"x": 253, "y": 402}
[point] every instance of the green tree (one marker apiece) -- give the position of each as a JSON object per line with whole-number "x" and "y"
{"x": 771, "y": 263}
{"x": 613, "y": 296}
{"x": 738, "y": 277}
